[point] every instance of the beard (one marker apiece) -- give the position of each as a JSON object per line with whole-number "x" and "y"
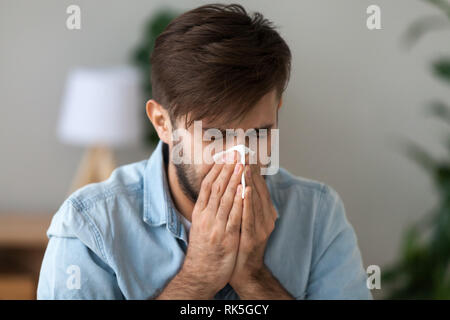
{"x": 186, "y": 175}
{"x": 187, "y": 179}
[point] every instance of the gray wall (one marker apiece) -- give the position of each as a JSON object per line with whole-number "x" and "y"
{"x": 353, "y": 93}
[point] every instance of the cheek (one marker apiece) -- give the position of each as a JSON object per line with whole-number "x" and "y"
{"x": 264, "y": 151}
{"x": 202, "y": 171}
{"x": 184, "y": 146}
{"x": 269, "y": 145}
{"x": 209, "y": 148}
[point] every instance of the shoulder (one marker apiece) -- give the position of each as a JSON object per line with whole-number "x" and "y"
{"x": 308, "y": 208}
{"x": 305, "y": 194}
{"x": 125, "y": 181}
{"x": 89, "y": 213}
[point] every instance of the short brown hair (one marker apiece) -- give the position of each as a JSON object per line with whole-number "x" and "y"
{"x": 217, "y": 61}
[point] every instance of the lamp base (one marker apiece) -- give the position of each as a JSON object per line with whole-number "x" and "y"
{"x": 96, "y": 165}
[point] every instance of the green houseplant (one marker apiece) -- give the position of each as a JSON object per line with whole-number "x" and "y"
{"x": 141, "y": 58}
{"x": 422, "y": 270}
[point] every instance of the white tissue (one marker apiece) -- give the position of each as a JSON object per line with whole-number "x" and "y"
{"x": 243, "y": 150}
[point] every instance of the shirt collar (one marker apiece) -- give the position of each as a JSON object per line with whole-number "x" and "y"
{"x": 159, "y": 208}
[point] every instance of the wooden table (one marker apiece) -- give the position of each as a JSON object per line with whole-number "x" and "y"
{"x": 23, "y": 241}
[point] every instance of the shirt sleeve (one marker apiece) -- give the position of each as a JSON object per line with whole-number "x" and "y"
{"x": 336, "y": 270}
{"x": 70, "y": 270}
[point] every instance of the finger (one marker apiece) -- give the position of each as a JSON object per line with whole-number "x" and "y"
{"x": 219, "y": 186}
{"x": 256, "y": 201}
{"x": 227, "y": 199}
{"x": 205, "y": 188}
{"x": 247, "y": 175}
{"x": 260, "y": 201}
{"x": 259, "y": 183}
{"x": 234, "y": 220}
{"x": 248, "y": 217}
{"x": 268, "y": 209}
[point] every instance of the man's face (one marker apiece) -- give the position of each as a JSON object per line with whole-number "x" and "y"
{"x": 190, "y": 174}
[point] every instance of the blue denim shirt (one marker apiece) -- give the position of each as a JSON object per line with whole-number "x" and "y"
{"x": 123, "y": 239}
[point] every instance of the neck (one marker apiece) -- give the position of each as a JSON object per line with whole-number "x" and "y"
{"x": 182, "y": 203}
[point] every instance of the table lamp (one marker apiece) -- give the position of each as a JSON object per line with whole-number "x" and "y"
{"x": 101, "y": 110}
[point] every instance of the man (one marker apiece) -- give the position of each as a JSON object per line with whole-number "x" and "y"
{"x": 161, "y": 229}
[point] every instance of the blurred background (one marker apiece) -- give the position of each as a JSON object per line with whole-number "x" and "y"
{"x": 359, "y": 104}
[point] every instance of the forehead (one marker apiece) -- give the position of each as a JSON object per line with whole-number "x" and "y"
{"x": 263, "y": 113}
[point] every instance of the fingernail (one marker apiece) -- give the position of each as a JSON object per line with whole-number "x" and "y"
{"x": 239, "y": 189}
{"x": 248, "y": 173}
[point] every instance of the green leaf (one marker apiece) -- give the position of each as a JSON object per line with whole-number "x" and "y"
{"x": 423, "y": 26}
{"x": 441, "y": 69}
{"x": 420, "y": 156}
{"x": 439, "y": 109}
{"x": 442, "y": 5}
{"x": 423, "y": 267}
{"x": 442, "y": 178}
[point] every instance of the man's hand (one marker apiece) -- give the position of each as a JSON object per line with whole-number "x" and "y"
{"x": 258, "y": 222}
{"x": 251, "y": 279}
{"x": 214, "y": 236}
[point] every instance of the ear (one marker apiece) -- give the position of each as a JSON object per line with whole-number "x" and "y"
{"x": 160, "y": 119}
{"x": 280, "y": 103}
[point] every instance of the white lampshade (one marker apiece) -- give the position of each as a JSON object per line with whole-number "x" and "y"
{"x": 102, "y": 107}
